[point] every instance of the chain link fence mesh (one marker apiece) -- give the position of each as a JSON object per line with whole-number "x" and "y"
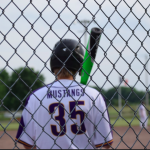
{"x": 29, "y": 29}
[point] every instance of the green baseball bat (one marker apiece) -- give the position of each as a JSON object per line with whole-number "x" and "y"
{"x": 90, "y": 54}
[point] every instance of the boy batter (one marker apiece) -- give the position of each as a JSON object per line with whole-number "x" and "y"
{"x": 65, "y": 114}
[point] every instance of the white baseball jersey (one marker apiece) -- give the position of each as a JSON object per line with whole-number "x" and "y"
{"x": 65, "y": 115}
{"x": 142, "y": 112}
{"x": 143, "y": 116}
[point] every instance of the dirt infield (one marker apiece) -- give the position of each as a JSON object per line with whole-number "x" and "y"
{"x": 128, "y": 136}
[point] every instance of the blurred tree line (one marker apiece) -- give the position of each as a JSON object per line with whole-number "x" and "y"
{"x": 16, "y": 87}
{"x": 129, "y": 95}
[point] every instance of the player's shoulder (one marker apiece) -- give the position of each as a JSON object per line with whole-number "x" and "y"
{"x": 38, "y": 94}
{"x": 141, "y": 106}
{"x": 90, "y": 89}
{"x": 41, "y": 90}
{"x": 91, "y": 92}
{"x": 96, "y": 96}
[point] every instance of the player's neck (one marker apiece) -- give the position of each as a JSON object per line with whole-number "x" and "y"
{"x": 70, "y": 78}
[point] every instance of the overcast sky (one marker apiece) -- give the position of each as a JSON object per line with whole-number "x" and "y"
{"x": 120, "y": 17}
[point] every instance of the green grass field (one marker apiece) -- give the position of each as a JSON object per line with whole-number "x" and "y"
{"x": 127, "y": 114}
{"x": 119, "y": 122}
{"x": 12, "y": 126}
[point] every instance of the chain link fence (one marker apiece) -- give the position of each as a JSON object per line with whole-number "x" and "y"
{"x": 28, "y": 31}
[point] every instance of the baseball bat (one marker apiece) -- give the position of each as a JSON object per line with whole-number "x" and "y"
{"x": 90, "y": 54}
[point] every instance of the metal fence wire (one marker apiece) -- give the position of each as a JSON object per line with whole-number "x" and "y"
{"x": 28, "y": 31}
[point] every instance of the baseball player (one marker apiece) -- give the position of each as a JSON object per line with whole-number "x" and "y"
{"x": 65, "y": 114}
{"x": 143, "y": 116}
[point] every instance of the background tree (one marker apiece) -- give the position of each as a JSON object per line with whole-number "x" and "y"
{"x": 23, "y": 83}
{"x": 4, "y": 82}
{"x": 132, "y": 96}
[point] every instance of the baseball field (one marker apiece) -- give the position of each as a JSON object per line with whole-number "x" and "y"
{"x": 126, "y": 131}
{"x": 124, "y": 138}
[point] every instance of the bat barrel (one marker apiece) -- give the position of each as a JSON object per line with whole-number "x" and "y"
{"x": 96, "y": 31}
{"x": 90, "y": 54}
{"x": 94, "y": 41}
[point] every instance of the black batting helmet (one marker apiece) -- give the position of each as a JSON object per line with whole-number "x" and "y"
{"x": 68, "y": 53}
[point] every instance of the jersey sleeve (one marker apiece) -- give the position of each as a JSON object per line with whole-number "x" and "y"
{"x": 103, "y": 134}
{"x": 26, "y": 130}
